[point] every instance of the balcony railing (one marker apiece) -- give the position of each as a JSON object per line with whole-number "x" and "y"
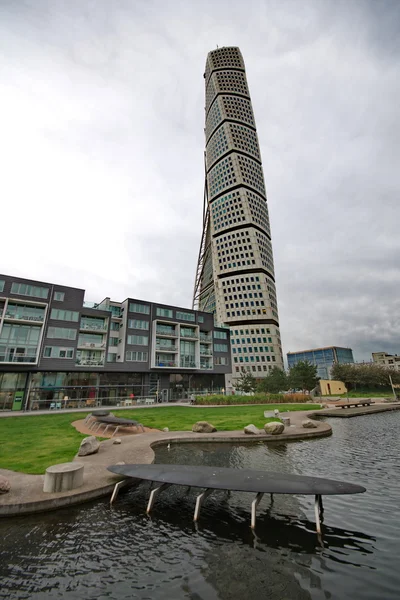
{"x": 93, "y": 327}
{"x": 166, "y": 348}
{"x": 166, "y": 331}
{"x": 91, "y": 345}
{"x": 205, "y": 338}
{"x": 36, "y": 318}
{"x": 205, "y": 366}
{"x": 205, "y": 352}
{"x": 189, "y": 334}
{"x": 21, "y": 358}
{"x": 89, "y": 362}
{"x": 166, "y": 363}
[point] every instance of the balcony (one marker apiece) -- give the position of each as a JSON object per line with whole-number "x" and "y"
{"x": 205, "y": 338}
{"x": 93, "y": 327}
{"x": 93, "y": 346}
{"x": 193, "y": 335}
{"x": 22, "y": 317}
{"x": 17, "y": 358}
{"x": 166, "y": 331}
{"x": 89, "y": 362}
{"x": 163, "y": 363}
{"x": 206, "y": 366}
{"x": 204, "y": 352}
{"x": 161, "y": 348}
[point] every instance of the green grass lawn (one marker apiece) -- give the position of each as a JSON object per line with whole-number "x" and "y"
{"x": 31, "y": 444}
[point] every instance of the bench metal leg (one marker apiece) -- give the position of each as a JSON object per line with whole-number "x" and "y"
{"x": 199, "y": 501}
{"x": 254, "y": 505}
{"x": 317, "y": 510}
{"x": 154, "y": 493}
{"x": 115, "y": 491}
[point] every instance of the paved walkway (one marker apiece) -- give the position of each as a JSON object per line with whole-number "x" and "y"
{"x": 27, "y": 496}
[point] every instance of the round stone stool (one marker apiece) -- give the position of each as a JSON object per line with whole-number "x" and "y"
{"x": 285, "y": 421}
{"x": 63, "y": 477}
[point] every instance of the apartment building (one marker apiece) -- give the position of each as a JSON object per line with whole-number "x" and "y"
{"x": 58, "y": 350}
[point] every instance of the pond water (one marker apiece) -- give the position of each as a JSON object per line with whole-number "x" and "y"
{"x": 93, "y": 551}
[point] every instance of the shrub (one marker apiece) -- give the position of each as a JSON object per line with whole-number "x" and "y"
{"x": 221, "y": 400}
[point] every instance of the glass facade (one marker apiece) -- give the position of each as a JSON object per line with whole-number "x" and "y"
{"x": 25, "y": 312}
{"x": 322, "y": 358}
{"x": 19, "y": 343}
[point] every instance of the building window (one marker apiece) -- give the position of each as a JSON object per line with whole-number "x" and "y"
{"x": 57, "y": 352}
{"x": 184, "y": 316}
{"x": 201, "y": 319}
{"x": 137, "y": 324}
{"x": 61, "y": 333}
{"x": 64, "y": 315}
{"x": 59, "y": 296}
{"x": 164, "y": 312}
{"x": 220, "y": 335}
{"x": 138, "y": 340}
{"x": 221, "y": 360}
{"x": 220, "y": 347}
{"x": 136, "y": 356}
{"x": 2, "y": 283}
{"x": 113, "y": 341}
{"x": 111, "y": 357}
{"x": 23, "y": 289}
{"x": 139, "y": 308}
{"x": 114, "y": 326}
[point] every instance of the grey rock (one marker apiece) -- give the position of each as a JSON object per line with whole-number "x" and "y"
{"x": 166, "y": 429}
{"x": 274, "y": 428}
{"x": 286, "y": 421}
{"x": 89, "y": 445}
{"x": 5, "y": 485}
{"x": 117, "y": 441}
{"x": 121, "y": 462}
{"x": 251, "y": 429}
{"x": 308, "y": 424}
{"x": 203, "y": 427}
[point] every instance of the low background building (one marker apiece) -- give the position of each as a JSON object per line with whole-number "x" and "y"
{"x": 58, "y": 351}
{"x": 322, "y": 358}
{"x": 331, "y": 387}
{"x": 389, "y": 360}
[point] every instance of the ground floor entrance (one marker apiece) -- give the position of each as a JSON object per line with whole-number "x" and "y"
{"x": 60, "y": 390}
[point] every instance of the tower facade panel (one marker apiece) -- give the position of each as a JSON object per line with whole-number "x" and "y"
{"x": 235, "y": 274}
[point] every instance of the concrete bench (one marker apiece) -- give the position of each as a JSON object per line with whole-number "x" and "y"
{"x": 63, "y": 477}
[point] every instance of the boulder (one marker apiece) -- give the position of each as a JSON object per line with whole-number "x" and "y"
{"x": 89, "y": 445}
{"x": 251, "y": 429}
{"x": 203, "y": 427}
{"x": 117, "y": 441}
{"x": 308, "y": 424}
{"x": 5, "y": 485}
{"x": 274, "y": 428}
{"x": 166, "y": 429}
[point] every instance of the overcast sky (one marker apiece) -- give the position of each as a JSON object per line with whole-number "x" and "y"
{"x": 101, "y": 151}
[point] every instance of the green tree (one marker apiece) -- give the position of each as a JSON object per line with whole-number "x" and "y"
{"x": 303, "y": 376}
{"x": 364, "y": 375}
{"x": 275, "y": 382}
{"x": 246, "y": 383}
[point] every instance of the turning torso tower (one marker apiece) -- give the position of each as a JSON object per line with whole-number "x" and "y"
{"x": 235, "y": 272}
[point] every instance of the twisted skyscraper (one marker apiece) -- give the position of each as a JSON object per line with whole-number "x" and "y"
{"x": 235, "y": 272}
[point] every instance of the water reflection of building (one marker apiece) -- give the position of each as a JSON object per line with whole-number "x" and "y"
{"x": 58, "y": 351}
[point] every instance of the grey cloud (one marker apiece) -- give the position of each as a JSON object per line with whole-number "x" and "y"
{"x": 103, "y": 124}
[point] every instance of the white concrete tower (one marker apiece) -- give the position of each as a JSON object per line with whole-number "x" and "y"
{"x": 235, "y": 272}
